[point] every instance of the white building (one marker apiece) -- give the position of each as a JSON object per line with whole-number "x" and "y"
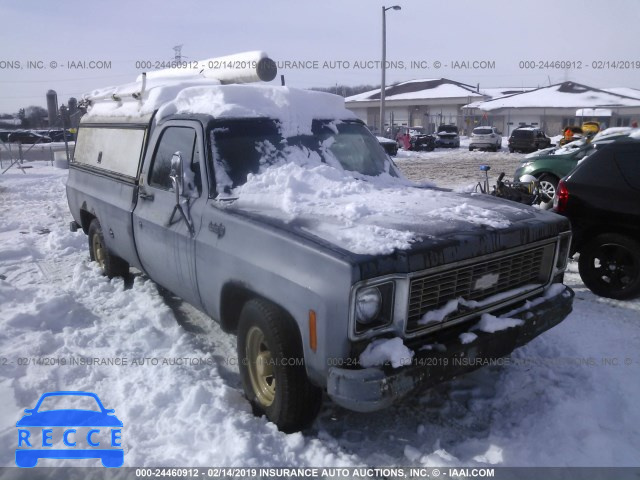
{"x": 554, "y": 107}
{"x": 417, "y": 103}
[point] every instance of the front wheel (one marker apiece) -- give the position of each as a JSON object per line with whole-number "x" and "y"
{"x": 548, "y": 186}
{"x": 609, "y": 266}
{"x": 272, "y": 367}
{"x": 111, "y": 265}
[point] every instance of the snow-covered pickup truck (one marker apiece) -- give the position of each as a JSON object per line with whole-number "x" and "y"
{"x": 275, "y": 211}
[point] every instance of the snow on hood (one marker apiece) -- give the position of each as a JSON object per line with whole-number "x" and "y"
{"x": 364, "y": 215}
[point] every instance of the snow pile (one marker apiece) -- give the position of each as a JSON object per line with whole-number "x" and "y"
{"x": 366, "y": 215}
{"x": 452, "y": 306}
{"x": 383, "y": 350}
{"x": 467, "y": 337}
{"x": 490, "y": 324}
{"x": 295, "y": 109}
{"x": 472, "y": 214}
{"x": 555, "y": 404}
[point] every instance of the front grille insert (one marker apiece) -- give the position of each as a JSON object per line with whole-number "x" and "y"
{"x": 477, "y": 282}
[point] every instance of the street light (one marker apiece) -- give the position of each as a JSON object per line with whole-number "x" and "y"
{"x": 384, "y": 61}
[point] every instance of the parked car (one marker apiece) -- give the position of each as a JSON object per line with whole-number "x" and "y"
{"x": 390, "y": 146}
{"x": 551, "y": 164}
{"x": 422, "y": 142}
{"x": 485, "y": 138}
{"x": 404, "y": 130}
{"x": 528, "y": 139}
{"x": 601, "y": 198}
{"x": 310, "y": 288}
{"x": 59, "y": 135}
{"x": 448, "y": 136}
{"x": 27, "y": 137}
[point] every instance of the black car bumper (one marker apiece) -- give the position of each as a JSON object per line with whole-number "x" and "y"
{"x": 371, "y": 389}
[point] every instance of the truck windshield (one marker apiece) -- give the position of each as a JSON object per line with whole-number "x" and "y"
{"x": 245, "y": 146}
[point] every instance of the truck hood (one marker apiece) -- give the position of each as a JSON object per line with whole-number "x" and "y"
{"x": 390, "y": 225}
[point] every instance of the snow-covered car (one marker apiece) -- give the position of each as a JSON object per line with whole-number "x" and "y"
{"x": 448, "y": 136}
{"x": 275, "y": 211}
{"x": 48, "y": 414}
{"x": 485, "y": 138}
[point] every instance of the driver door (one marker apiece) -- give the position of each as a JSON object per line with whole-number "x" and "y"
{"x": 165, "y": 239}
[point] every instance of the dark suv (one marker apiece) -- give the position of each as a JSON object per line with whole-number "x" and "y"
{"x": 528, "y": 139}
{"x": 601, "y": 197}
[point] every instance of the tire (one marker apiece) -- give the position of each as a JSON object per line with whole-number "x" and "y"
{"x": 609, "y": 266}
{"x": 283, "y": 392}
{"x": 112, "y": 265}
{"x": 510, "y": 150}
{"x": 548, "y": 185}
{"x": 471, "y": 149}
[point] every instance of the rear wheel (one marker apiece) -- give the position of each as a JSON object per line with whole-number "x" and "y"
{"x": 609, "y": 266}
{"x": 272, "y": 367}
{"x": 470, "y": 148}
{"x": 111, "y": 265}
{"x": 548, "y": 186}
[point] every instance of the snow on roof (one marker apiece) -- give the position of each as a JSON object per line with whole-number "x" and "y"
{"x": 294, "y": 108}
{"x": 420, "y": 90}
{"x": 561, "y": 95}
{"x": 497, "y": 92}
{"x": 626, "y": 91}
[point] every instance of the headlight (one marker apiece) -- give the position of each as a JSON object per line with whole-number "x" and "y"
{"x": 368, "y": 303}
{"x": 373, "y": 307}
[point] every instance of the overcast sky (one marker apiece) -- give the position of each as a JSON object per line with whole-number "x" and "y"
{"x": 503, "y": 31}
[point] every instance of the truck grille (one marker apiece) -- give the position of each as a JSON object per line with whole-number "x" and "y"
{"x": 477, "y": 281}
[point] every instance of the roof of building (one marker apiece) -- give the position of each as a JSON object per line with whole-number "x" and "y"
{"x": 561, "y": 95}
{"x": 421, "y": 89}
{"x": 626, "y": 91}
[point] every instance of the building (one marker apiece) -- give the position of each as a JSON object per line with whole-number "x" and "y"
{"x": 417, "y": 103}
{"x": 554, "y": 107}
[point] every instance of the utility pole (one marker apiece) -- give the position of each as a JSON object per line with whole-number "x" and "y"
{"x": 384, "y": 61}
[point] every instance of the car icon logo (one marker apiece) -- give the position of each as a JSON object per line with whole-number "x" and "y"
{"x": 92, "y": 426}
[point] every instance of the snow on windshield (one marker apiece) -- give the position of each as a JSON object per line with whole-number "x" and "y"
{"x": 363, "y": 211}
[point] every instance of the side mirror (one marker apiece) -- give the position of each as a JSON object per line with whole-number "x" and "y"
{"x": 176, "y": 174}
{"x": 176, "y": 181}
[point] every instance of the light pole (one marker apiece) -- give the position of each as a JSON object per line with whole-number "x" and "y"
{"x": 384, "y": 61}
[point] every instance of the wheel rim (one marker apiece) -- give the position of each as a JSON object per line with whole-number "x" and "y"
{"x": 260, "y": 365}
{"x": 98, "y": 250}
{"x": 614, "y": 266}
{"x": 548, "y": 188}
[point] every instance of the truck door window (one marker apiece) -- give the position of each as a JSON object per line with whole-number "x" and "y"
{"x": 174, "y": 139}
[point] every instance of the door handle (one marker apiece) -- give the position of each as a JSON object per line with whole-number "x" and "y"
{"x": 146, "y": 196}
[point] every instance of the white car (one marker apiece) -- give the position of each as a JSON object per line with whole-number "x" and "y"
{"x": 485, "y": 138}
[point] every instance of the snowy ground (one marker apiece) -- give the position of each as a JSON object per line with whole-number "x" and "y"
{"x": 560, "y": 406}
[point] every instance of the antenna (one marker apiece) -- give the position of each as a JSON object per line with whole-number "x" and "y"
{"x": 177, "y": 50}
